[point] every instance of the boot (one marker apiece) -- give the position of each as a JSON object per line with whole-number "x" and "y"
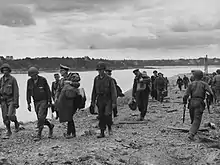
{"x": 102, "y": 134}
{"x": 17, "y": 126}
{"x": 73, "y": 129}
{"x": 39, "y": 133}
{"x": 110, "y": 130}
{"x": 51, "y": 131}
{"x": 8, "y": 133}
{"x": 190, "y": 137}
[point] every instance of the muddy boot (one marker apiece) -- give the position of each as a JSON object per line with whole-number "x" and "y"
{"x": 190, "y": 137}
{"x": 102, "y": 134}
{"x": 8, "y": 133}
{"x": 17, "y": 126}
{"x": 73, "y": 130}
{"x": 39, "y": 134}
{"x": 51, "y": 131}
{"x": 110, "y": 130}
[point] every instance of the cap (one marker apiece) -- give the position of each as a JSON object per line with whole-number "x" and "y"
{"x": 64, "y": 67}
{"x": 135, "y": 70}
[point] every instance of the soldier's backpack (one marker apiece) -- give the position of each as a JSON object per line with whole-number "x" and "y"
{"x": 81, "y": 98}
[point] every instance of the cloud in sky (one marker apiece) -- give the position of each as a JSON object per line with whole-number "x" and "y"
{"x": 120, "y": 24}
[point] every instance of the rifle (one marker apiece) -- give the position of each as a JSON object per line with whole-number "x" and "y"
{"x": 184, "y": 111}
{"x": 209, "y": 100}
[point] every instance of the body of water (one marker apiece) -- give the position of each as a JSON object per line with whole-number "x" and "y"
{"x": 124, "y": 79}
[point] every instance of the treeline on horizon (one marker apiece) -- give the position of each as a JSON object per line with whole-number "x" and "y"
{"x": 87, "y": 63}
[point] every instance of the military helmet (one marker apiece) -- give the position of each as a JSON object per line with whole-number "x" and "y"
{"x": 101, "y": 66}
{"x": 32, "y": 71}
{"x": 218, "y": 71}
{"x": 198, "y": 74}
{"x": 5, "y": 65}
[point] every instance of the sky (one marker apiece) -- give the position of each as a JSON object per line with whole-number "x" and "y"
{"x": 118, "y": 29}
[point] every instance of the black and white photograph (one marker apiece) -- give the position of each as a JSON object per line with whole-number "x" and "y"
{"x": 109, "y": 82}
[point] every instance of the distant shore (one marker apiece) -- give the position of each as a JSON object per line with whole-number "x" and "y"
{"x": 19, "y": 71}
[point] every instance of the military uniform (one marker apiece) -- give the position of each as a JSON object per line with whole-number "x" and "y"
{"x": 54, "y": 88}
{"x": 40, "y": 92}
{"x": 179, "y": 82}
{"x": 185, "y": 81}
{"x": 216, "y": 85}
{"x": 197, "y": 91}
{"x": 74, "y": 76}
{"x": 153, "y": 89}
{"x": 9, "y": 93}
{"x": 140, "y": 94}
{"x": 105, "y": 96}
{"x": 160, "y": 85}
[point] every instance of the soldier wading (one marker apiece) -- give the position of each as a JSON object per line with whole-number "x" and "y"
{"x": 9, "y": 97}
{"x": 104, "y": 95}
{"x": 38, "y": 89}
{"x": 196, "y": 90}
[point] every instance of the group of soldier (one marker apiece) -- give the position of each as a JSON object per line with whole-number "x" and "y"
{"x": 65, "y": 98}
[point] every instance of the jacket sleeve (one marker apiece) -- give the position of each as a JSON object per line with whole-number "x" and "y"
{"x": 52, "y": 90}
{"x": 134, "y": 89}
{"x": 94, "y": 92}
{"x": 113, "y": 92}
{"x": 15, "y": 92}
{"x": 47, "y": 90}
{"x": 28, "y": 93}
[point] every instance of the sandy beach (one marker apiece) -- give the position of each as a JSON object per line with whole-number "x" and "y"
{"x": 152, "y": 142}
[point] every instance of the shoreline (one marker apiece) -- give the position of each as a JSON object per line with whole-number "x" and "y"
{"x": 152, "y": 141}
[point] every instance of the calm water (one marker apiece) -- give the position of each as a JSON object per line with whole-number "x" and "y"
{"x": 123, "y": 77}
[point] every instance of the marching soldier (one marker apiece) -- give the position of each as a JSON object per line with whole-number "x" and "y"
{"x": 39, "y": 90}
{"x": 153, "y": 89}
{"x": 9, "y": 97}
{"x": 54, "y": 88}
{"x": 105, "y": 96}
{"x": 140, "y": 91}
{"x": 185, "y": 81}
{"x": 197, "y": 91}
{"x": 67, "y": 105}
{"x": 179, "y": 83}
{"x": 160, "y": 86}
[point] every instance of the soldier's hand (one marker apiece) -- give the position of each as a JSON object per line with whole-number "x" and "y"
{"x": 29, "y": 107}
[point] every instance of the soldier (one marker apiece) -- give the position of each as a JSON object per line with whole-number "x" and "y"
{"x": 185, "y": 81}
{"x": 140, "y": 91}
{"x": 54, "y": 88}
{"x": 105, "y": 96}
{"x": 67, "y": 104}
{"x": 153, "y": 90}
{"x": 39, "y": 90}
{"x": 118, "y": 89}
{"x": 160, "y": 85}
{"x": 179, "y": 83}
{"x": 9, "y": 97}
{"x": 197, "y": 91}
{"x": 216, "y": 84}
